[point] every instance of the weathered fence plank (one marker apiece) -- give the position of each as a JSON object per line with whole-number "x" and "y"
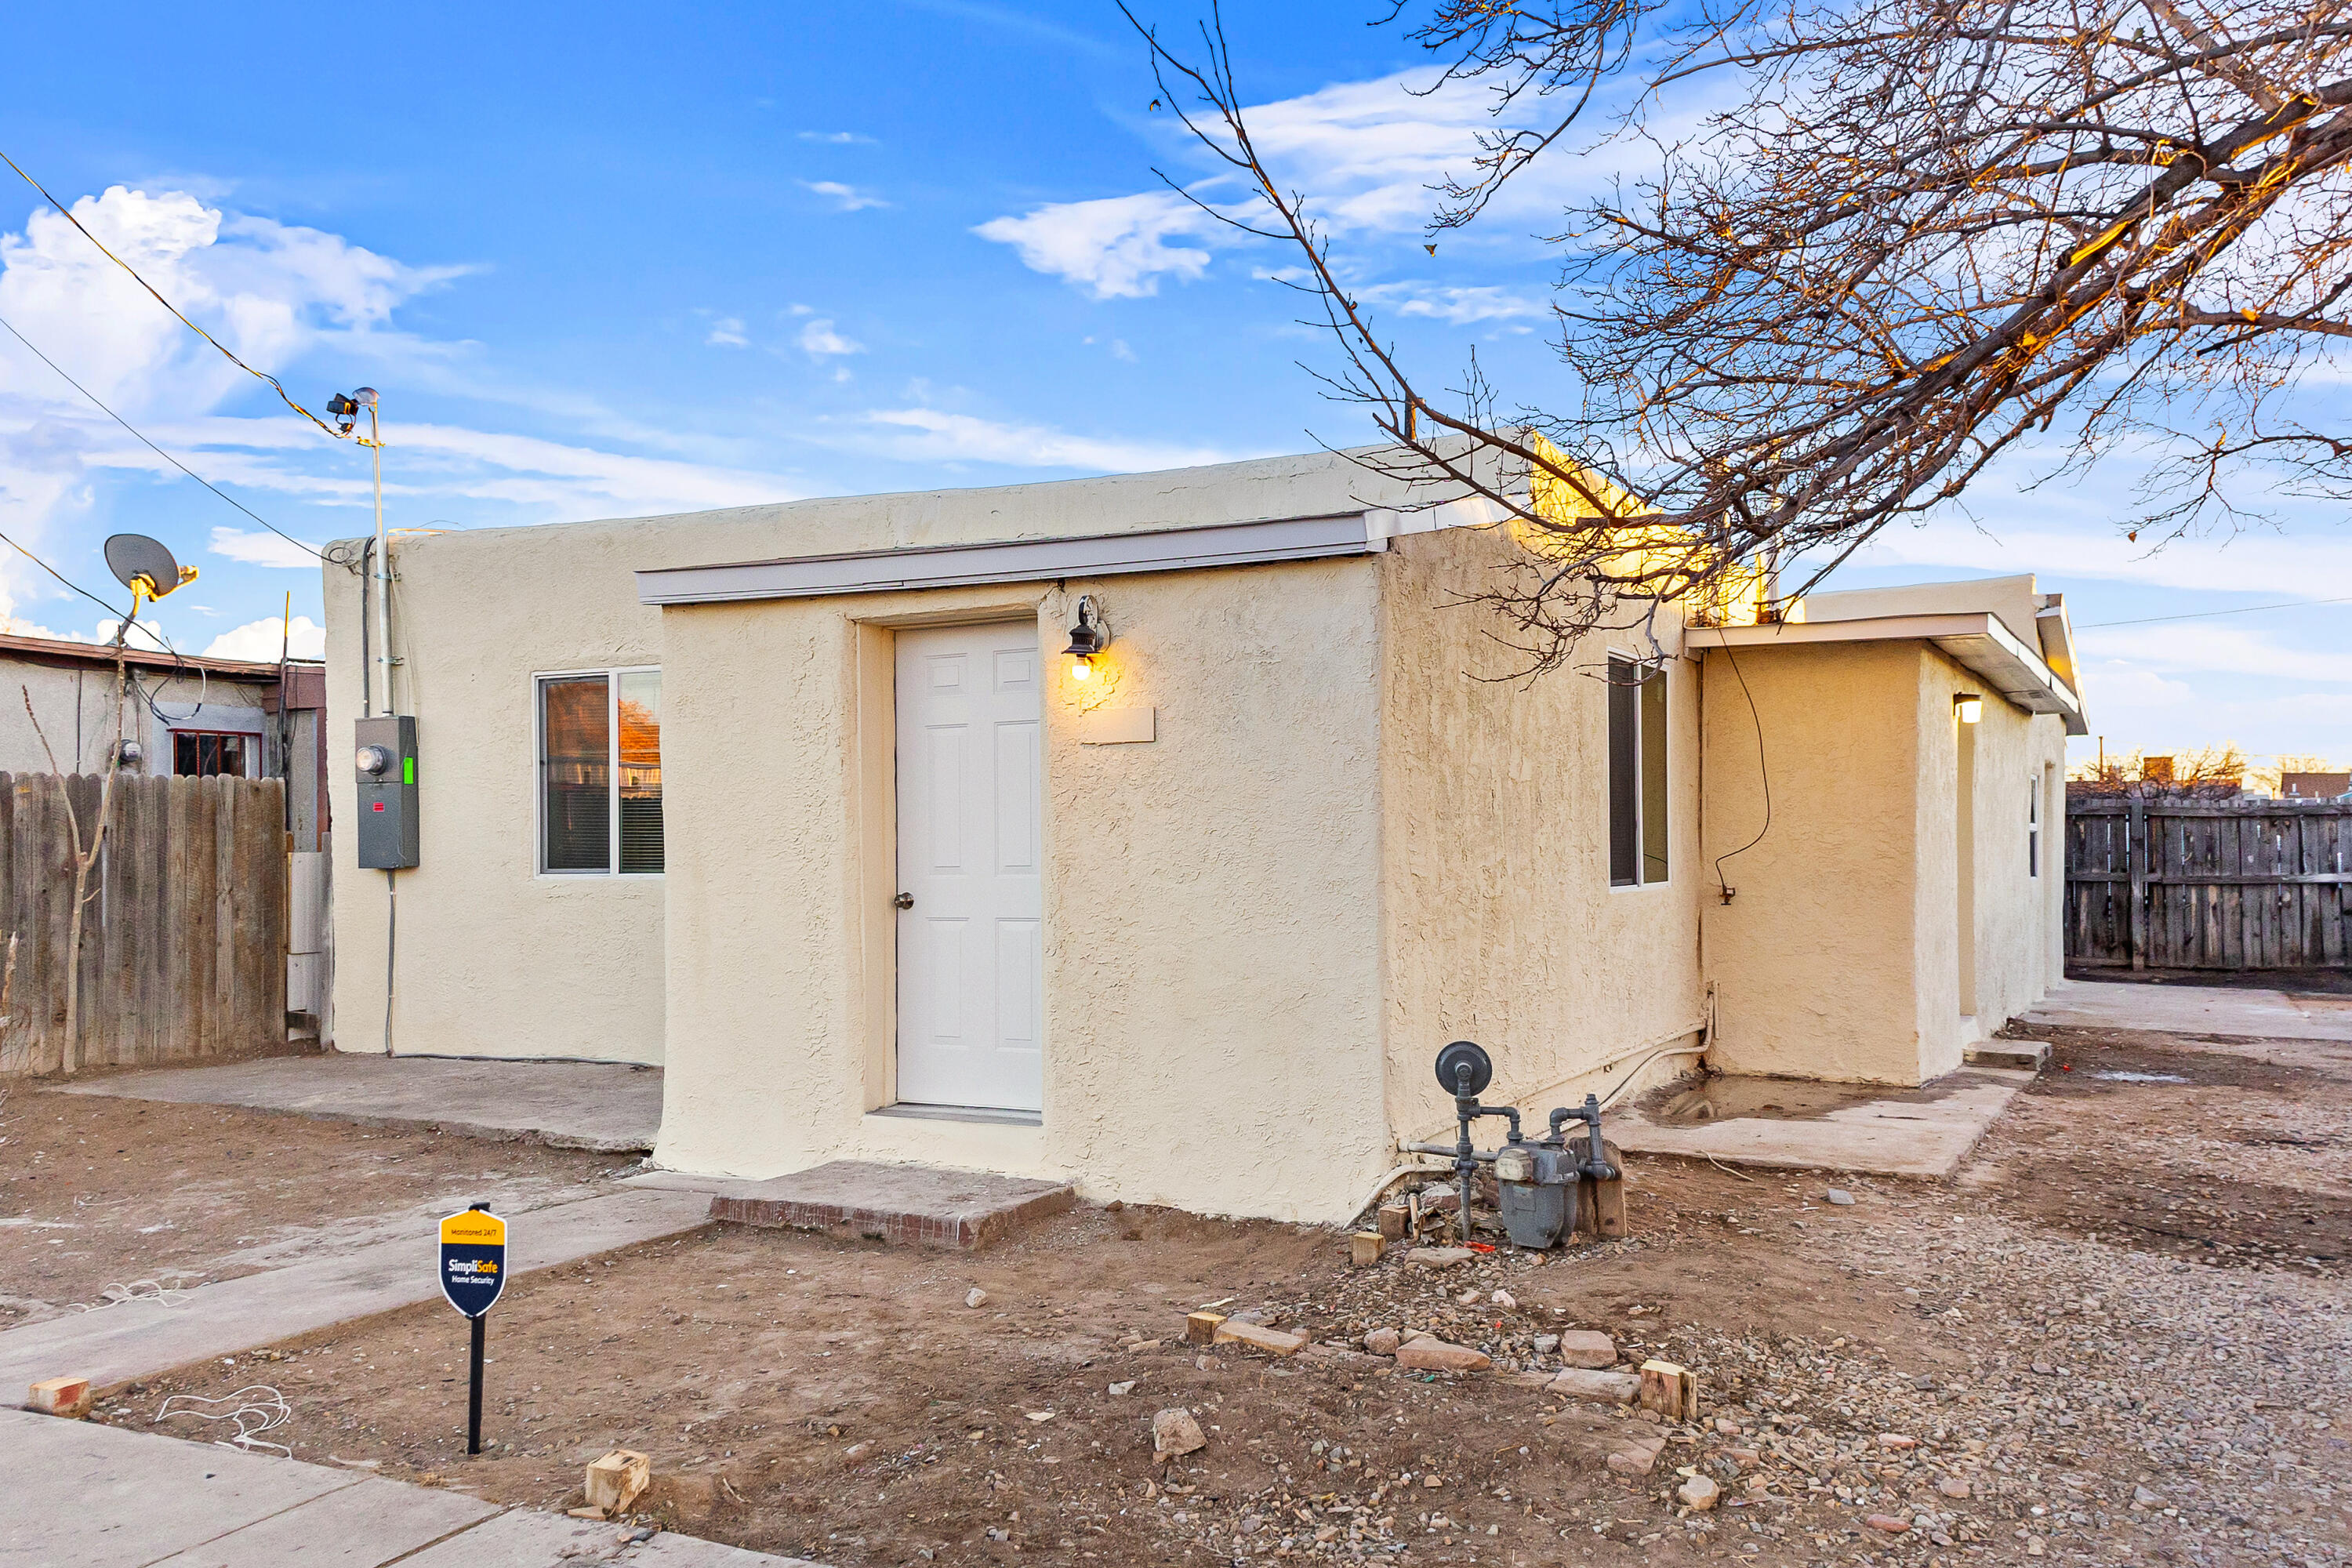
{"x": 2153, "y": 884}
{"x": 184, "y": 933}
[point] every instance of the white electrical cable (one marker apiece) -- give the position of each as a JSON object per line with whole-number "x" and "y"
{"x": 253, "y": 1417}
{"x": 153, "y": 1291}
{"x": 1422, "y": 1168}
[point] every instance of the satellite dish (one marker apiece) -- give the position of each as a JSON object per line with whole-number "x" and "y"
{"x": 130, "y": 556}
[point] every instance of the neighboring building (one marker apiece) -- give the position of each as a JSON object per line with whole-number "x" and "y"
{"x": 804, "y": 803}
{"x": 186, "y": 714}
{"x": 2314, "y": 787}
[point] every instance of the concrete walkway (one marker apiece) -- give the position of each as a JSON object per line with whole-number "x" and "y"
{"x": 2175, "y": 1009}
{"x": 97, "y": 1497}
{"x": 1784, "y": 1125}
{"x": 133, "y": 1338}
{"x": 613, "y": 1108}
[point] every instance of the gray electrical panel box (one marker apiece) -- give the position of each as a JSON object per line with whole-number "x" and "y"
{"x": 386, "y": 760}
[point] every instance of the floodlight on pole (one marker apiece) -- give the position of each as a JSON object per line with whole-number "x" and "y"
{"x": 345, "y": 409}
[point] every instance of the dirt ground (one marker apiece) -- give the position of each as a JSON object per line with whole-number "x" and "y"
{"x": 99, "y": 1192}
{"x": 2119, "y": 1334}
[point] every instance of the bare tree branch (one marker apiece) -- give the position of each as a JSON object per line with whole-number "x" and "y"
{"x": 1925, "y": 236}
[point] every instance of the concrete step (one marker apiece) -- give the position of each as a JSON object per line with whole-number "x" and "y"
{"x": 2026, "y": 1056}
{"x": 906, "y": 1204}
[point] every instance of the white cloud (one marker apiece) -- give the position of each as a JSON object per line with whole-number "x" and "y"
{"x": 844, "y": 198}
{"x": 259, "y": 548}
{"x": 267, "y": 289}
{"x": 2203, "y": 646}
{"x": 261, "y": 641}
{"x": 727, "y": 332}
{"x": 275, "y": 294}
{"x": 1364, "y": 153}
{"x": 837, "y": 138}
{"x": 818, "y": 341}
{"x": 1115, "y": 248}
{"x": 1457, "y": 307}
{"x": 2118, "y": 687}
{"x": 948, "y": 437}
{"x": 2256, "y": 563}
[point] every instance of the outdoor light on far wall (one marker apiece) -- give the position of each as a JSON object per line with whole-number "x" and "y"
{"x": 1969, "y": 706}
{"x": 1088, "y": 637}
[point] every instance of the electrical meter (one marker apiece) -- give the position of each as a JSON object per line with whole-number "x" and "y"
{"x": 385, "y": 761}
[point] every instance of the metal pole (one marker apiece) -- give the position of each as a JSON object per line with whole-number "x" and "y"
{"x": 382, "y": 561}
{"x": 474, "y": 1396}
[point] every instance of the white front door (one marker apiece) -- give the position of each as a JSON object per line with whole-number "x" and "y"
{"x": 971, "y": 902}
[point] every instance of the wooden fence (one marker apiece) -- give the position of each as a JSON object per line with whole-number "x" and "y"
{"x": 2162, "y": 884}
{"x": 184, "y": 939}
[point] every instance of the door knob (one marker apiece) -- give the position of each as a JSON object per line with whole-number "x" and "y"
{"x": 904, "y": 901}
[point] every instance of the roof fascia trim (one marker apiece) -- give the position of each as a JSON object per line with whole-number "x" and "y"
{"x": 1013, "y": 561}
{"x": 1978, "y": 641}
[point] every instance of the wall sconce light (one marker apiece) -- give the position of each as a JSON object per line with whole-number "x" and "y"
{"x": 1969, "y": 706}
{"x": 1088, "y": 637}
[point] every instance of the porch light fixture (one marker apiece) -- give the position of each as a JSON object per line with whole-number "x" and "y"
{"x": 1969, "y": 706}
{"x": 1088, "y": 637}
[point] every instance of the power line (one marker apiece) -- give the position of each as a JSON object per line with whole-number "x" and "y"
{"x": 275, "y": 384}
{"x": 159, "y": 451}
{"x": 2205, "y": 615}
{"x": 60, "y": 576}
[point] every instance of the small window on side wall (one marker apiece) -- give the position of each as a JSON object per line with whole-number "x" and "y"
{"x": 2033, "y": 828}
{"x": 205, "y": 754}
{"x": 599, "y": 809}
{"x": 1638, "y": 809}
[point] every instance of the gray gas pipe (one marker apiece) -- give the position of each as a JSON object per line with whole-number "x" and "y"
{"x": 1538, "y": 1183}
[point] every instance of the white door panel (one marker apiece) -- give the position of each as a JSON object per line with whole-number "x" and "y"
{"x": 970, "y": 962}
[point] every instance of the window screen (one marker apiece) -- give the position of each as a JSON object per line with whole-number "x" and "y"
{"x": 200, "y": 754}
{"x": 1624, "y": 774}
{"x": 638, "y": 716}
{"x": 1639, "y": 813}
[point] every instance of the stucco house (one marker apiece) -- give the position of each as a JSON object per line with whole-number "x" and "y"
{"x": 812, "y": 805}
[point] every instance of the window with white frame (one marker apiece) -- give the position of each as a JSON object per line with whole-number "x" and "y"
{"x": 1637, "y": 772}
{"x": 600, "y": 797}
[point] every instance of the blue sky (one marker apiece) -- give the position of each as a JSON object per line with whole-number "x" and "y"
{"x": 607, "y": 262}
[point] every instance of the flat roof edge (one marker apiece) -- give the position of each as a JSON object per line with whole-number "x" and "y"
{"x": 1977, "y": 639}
{"x": 1013, "y": 561}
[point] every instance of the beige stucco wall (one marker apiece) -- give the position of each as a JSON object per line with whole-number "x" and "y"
{"x": 1840, "y": 957}
{"x": 1212, "y": 946}
{"x": 2019, "y": 942}
{"x": 1812, "y": 959}
{"x": 1498, "y": 921}
{"x": 496, "y": 959}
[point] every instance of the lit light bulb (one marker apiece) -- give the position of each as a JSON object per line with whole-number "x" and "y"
{"x": 1082, "y": 669}
{"x": 1970, "y": 708}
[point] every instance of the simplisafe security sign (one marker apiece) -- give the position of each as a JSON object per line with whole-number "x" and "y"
{"x": 473, "y": 1260}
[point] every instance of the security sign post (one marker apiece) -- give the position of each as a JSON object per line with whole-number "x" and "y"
{"x": 473, "y": 1272}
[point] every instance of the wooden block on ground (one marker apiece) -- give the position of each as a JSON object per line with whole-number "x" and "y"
{"x": 1669, "y": 1390}
{"x": 1201, "y": 1327}
{"x": 1395, "y": 1219}
{"x": 1364, "y": 1247}
{"x": 614, "y": 1480}
{"x": 2030, "y": 1056}
{"x": 68, "y": 1396}
{"x": 1273, "y": 1342}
